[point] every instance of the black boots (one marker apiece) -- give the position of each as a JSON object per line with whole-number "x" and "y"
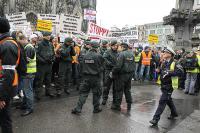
{"x": 154, "y": 122}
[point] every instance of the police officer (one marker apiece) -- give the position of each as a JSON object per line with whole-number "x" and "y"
{"x": 168, "y": 72}
{"x": 65, "y": 65}
{"x": 45, "y": 56}
{"x": 84, "y": 50}
{"x": 110, "y": 57}
{"x": 123, "y": 72}
{"x": 103, "y": 47}
{"x": 92, "y": 67}
{"x": 86, "y": 47}
{"x": 9, "y": 59}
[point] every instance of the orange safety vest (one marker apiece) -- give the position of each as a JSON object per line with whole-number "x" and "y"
{"x": 15, "y": 81}
{"x": 146, "y": 59}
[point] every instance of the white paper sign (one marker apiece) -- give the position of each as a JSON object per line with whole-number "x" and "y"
{"x": 17, "y": 18}
{"x": 70, "y": 23}
{"x": 89, "y": 14}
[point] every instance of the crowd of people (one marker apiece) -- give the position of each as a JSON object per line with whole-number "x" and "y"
{"x": 42, "y": 65}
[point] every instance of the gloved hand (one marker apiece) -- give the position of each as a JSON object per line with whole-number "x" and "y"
{"x": 165, "y": 74}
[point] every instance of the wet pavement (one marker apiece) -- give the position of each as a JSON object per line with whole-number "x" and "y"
{"x": 54, "y": 115}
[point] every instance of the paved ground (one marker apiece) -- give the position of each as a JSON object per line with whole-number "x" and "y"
{"x": 54, "y": 116}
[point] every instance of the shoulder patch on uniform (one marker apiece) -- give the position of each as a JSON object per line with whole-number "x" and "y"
{"x": 88, "y": 61}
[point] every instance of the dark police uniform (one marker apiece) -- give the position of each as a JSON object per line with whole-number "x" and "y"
{"x": 83, "y": 52}
{"x": 91, "y": 69}
{"x": 103, "y": 48}
{"x": 110, "y": 57}
{"x": 167, "y": 88}
{"x": 65, "y": 66}
{"x": 45, "y": 56}
{"x": 123, "y": 73}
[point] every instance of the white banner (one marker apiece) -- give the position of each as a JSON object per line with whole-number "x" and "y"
{"x": 89, "y": 14}
{"x": 128, "y": 33}
{"x": 70, "y": 23}
{"x": 97, "y": 31}
{"x": 17, "y": 19}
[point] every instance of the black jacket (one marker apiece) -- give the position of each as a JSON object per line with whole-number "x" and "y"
{"x": 92, "y": 63}
{"x": 45, "y": 52}
{"x": 125, "y": 63}
{"x": 9, "y": 56}
{"x": 166, "y": 74}
{"x": 110, "y": 57}
{"x": 66, "y": 53}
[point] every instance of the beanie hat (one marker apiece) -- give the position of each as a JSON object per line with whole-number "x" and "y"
{"x": 4, "y": 25}
{"x": 113, "y": 42}
{"x": 104, "y": 42}
{"x": 94, "y": 44}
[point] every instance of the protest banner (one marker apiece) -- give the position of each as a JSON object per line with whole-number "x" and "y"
{"x": 95, "y": 30}
{"x": 55, "y": 21}
{"x": 153, "y": 39}
{"x": 17, "y": 18}
{"x": 44, "y": 25}
{"x": 70, "y": 23}
{"x": 89, "y": 14}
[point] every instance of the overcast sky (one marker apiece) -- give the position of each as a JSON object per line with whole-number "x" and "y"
{"x": 132, "y": 12}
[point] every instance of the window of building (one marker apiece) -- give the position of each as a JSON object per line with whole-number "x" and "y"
{"x": 160, "y": 37}
{"x": 198, "y": 2}
{"x": 167, "y": 31}
{"x": 153, "y": 26}
{"x": 152, "y": 31}
{"x": 146, "y": 33}
{"x": 159, "y": 31}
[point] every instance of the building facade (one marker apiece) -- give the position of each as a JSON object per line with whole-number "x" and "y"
{"x": 163, "y": 31}
{"x": 184, "y": 17}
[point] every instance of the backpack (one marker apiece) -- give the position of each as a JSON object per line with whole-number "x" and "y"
{"x": 191, "y": 63}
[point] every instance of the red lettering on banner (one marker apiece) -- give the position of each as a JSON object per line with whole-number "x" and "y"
{"x": 97, "y": 30}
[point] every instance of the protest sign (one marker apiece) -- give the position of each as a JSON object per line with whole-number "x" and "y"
{"x": 70, "y": 23}
{"x": 44, "y": 25}
{"x": 95, "y": 30}
{"x": 17, "y": 18}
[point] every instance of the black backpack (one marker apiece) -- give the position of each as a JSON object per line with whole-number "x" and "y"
{"x": 191, "y": 63}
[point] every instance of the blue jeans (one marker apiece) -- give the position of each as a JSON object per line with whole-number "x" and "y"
{"x": 28, "y": 92}
{"x": 190, "y": 82}
{"x": 145, "y": 69}
{"x": 20, "y": 86}
{"x": 136, "y": 70}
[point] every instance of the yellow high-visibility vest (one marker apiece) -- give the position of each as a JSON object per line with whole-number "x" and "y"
{"x": 31, "y": 66}
{"x": 137, "y": 57}
{"x": 174, "y": 79}
{"x": 196, "y": 70}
